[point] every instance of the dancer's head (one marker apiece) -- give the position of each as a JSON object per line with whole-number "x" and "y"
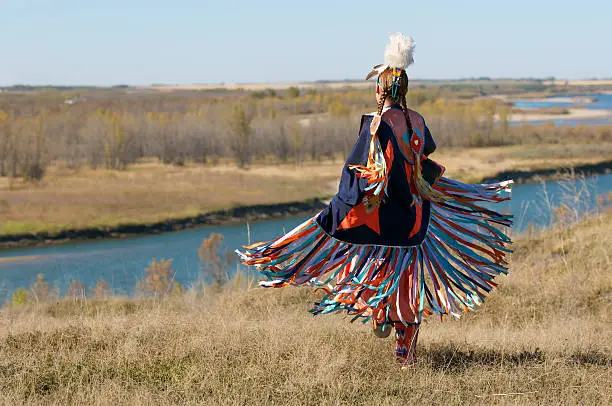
{"x": 392, "y": 81}
{"x": 387, "y": 81}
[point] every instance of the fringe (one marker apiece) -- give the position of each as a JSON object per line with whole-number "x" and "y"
{"x": 377, "y": 167}
{"x": 424, "y": 188}
{"x": 450, "y": 272}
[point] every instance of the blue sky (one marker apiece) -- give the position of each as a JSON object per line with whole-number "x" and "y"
{"x": 180, "y": 41}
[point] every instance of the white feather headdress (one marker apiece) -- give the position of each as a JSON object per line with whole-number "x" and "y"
{"x": 399, "y": 51}
{"x": 399, "y": 54}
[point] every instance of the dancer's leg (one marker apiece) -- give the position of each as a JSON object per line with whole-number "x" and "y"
{"x": 405, "y": 342}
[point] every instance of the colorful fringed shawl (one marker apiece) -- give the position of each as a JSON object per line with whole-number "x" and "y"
{"x": 399, "y": 242}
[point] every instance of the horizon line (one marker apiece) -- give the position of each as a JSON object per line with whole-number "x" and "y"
{"x": 306, "y": 82}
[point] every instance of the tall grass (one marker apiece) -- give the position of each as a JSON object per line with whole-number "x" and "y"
{"x": 543, "y": 337}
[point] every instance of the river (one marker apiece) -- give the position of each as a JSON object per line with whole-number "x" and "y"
{"x": 600, "y": 102}
{"x": 121, "y": 263}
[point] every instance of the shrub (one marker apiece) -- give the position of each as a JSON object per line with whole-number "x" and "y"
{"x": 33, "y": 171}
{"x": 20, "y": 297}
{"x": 101, "y": 290}
{"x": 158, "y": 280}
{"x": 177, "y": 289}
{"x": 40, "y": 289}
{"x": 293, "y": 92}
{"x": 241, "y": 131}
{"x": 76, "y": 289}
{"x": 215, "y": 259}
{"x": 258, "y": 94}
{"x": 338, "y": 109}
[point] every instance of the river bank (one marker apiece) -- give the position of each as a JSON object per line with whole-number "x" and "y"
{"x": 549, "y": 174}
{"x": 254, "y": 213}
{"x": 259, "y": 212}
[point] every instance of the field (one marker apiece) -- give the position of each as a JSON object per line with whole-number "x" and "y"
{"x": 151, "y": 192}
{"x": 543, "y": 337}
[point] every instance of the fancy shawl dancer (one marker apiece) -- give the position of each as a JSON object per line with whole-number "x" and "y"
{"x": 399, "y": 242}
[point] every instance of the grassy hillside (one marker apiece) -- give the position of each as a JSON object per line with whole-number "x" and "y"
{"x": 543, "y": 337}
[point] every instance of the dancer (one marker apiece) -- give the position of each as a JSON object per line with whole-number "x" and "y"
{"x": 398, "y": 243}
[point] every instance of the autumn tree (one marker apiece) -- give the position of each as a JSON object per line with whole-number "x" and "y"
{"x": 40, "y": 288}
{"x": 33, "y": 151}
{"x": 4, "y": 141}
{"x": 293, "y": 92}
{"x": 216, "y": 259}
{"x": 158, "y": 280}
{"x": 296, "y": 136}
{"x": 241, "y": 131}
{"x": 77, "y": 290}
{"x": 101, "y": 290}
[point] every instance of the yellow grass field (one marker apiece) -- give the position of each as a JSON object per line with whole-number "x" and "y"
{"x": 543, "y": 337}
{"x": 150, "y": 192}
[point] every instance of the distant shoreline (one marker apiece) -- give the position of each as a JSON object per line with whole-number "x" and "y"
{"x": 568, "y": 99}
{"x": 241, "y": 214}
{"x": 573, "y": 114}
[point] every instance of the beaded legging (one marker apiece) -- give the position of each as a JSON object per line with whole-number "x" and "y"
{"x": 405, "y": 343}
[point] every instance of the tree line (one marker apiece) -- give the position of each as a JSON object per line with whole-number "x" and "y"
{"x": 115, "y": 129}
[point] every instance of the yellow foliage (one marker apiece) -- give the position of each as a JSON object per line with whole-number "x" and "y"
{"x": 101, "y": 290}
{"x": 338, "y": 109}
{"x": 215, "y": 258}
{"x": 158, "y": 279}
{"x": 40, "y": 288}
{"x": 20, "y": 297}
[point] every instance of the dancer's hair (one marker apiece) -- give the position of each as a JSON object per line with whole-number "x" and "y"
{"x": 385, "y": 81}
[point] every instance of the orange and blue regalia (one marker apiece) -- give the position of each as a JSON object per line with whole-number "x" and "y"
{"x": 399, "y": 242}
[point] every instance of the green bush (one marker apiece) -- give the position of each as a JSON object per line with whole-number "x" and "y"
{"x": 293, "y": 92}
{"x": 20, "y": 297}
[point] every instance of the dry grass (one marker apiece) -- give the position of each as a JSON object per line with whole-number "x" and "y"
{"x": 150, "y": 192}
{"x": 474, "y": 164}
{"x": 543, "y": 338}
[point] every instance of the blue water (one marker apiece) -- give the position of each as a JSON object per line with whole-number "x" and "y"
{"x": 570, "y": 123}
{"x": 122, "y": 262}
{"x": 602, "y": 102}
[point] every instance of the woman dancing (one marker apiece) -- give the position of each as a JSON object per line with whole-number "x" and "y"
{"x": 399, "y": 242}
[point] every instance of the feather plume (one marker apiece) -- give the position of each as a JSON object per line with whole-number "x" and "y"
{"x": 377, "y": 70}
{"x": 399, "y": 51}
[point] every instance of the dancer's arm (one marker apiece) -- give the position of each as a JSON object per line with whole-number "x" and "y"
{"x": 430, "y": 144}
{"x": 350, "y": 190}
{"x": 431, "y": 170}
